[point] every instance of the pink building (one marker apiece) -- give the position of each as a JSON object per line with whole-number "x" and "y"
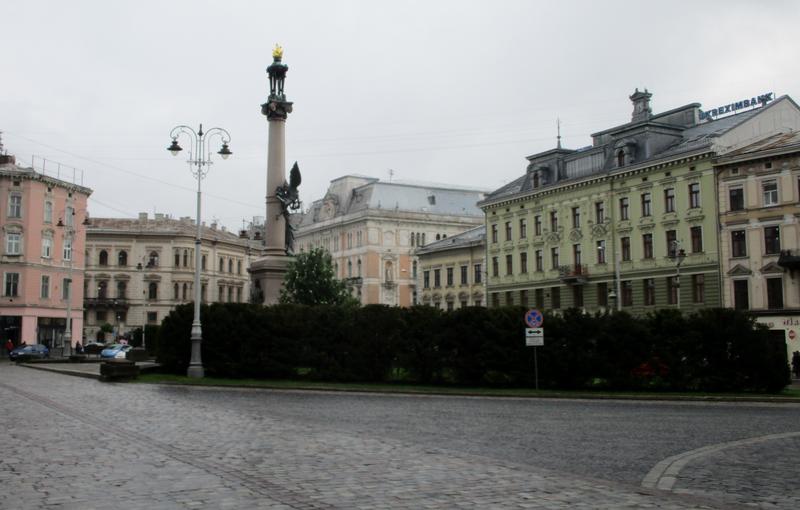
{"x": 43, "y": 244}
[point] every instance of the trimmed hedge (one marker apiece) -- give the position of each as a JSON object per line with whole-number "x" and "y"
{"x": 710, "y": 350}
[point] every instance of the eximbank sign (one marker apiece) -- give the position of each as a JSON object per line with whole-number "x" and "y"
{"x": 753, "y": 102}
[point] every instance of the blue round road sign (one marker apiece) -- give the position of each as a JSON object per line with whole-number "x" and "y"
{"x": 534, "y": 318}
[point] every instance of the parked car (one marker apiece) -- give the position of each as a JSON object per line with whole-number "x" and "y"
{"x": 115, "y": 351}
{"x": 24, "y": 352}
{"x": 93, "y": 348}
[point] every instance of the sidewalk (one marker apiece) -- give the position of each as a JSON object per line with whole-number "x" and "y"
{"x": 89, "y": 370}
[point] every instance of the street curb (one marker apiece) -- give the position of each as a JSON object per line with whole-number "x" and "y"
{"x": 75, "y": 373}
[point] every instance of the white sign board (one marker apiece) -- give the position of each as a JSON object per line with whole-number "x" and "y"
{"x": 534, "y": 332}
{"x": 534, "y": 341}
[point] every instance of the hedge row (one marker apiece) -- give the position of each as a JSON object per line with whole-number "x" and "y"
{"x": 711, "y": 350}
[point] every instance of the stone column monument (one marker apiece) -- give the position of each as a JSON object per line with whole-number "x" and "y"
{"x": 267, "y": 272}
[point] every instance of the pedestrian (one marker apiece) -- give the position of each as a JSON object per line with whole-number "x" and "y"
{"x": 796, "y": 364}
{"x": 9, "y": 347}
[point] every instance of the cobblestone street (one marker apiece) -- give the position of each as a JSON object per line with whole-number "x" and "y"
{"x": 75, "y": 443}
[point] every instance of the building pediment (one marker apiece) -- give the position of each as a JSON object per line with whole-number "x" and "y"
{"x": 771, "y": 268}
{"x": 739, "y": 270}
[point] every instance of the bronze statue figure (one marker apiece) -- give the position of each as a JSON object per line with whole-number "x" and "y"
{"x": 289, "y": 196}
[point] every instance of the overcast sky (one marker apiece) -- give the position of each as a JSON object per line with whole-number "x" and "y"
{"x": 452, "y": 92}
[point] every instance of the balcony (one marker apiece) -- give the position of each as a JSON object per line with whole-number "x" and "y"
{"x": 789, "y": 259}
{"x": 354, "y": 280}
{"x": 573, "y": 274}
{"x": 100, "y": 303}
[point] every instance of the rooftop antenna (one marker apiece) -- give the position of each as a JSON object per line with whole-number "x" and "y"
{"x": 391, "y": 174}
{"x": 558, "y": 127}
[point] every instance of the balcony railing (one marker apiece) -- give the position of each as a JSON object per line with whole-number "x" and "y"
{"x": 100, "y": 302}
{"x": 574, "y": 273}
{"x": 789, "y": 259}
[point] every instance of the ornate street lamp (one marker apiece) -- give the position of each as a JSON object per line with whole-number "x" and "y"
{"x": 678, "y": 254}
{"x": 69, "y": 233}
{"x": 199, "y": 163}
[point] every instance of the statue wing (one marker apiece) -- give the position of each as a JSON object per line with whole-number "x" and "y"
{"x": 294, "y": 176}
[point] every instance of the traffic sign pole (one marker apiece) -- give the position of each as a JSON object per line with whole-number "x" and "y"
{"x": 535, "y": 368}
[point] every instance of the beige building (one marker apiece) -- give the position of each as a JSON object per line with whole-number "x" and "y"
{"x": 759, "y": 197}
{"x": 451, "y": 271}
{"x": 371, "y": 229}
{"x": 138, "y": 270}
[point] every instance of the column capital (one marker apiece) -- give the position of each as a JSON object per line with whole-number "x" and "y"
{"x": 275, "y": 109}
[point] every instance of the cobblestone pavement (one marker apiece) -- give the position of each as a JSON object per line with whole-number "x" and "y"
{"x": 73, "y": 443}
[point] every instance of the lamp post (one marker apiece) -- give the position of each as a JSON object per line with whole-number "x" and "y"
{"x": 139, "y": 267}
{"x": 199, "y": 164}
{"x": 678, "y": 254}
{"x": 69, "y": 233}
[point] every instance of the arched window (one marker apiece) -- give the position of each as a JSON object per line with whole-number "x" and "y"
{"x": 177, "y": 259}
{"x": 621, "y": 158}
{"x": 418, "y": 239}
{"x": 438, "y": 237}
{"x": 153, "y": 259}
{"x": 175, "y": 292}
{"x": 103, "y": 258}
{"x": 185, "y": 288}
{"x": 423, "y": 240}
{"x": 122, "y": 258}
{"x": 412, "y": 238}
{"x": 152, "y": 290}
{"x": 102, "y": 289}
{"x": 122, "y": 288}
{"x": 359, "y": 267}
{"x": 349, "y": 269}
{"x": 238, "y": 267}
{"x": 230, "y": 266}
{"x": 185, "y": 258}
{"x": 221, "y": 264}
{"x": 536, "y": 180}
{"x": 203, "y": 263}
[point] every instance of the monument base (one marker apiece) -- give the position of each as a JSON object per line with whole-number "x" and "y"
{"x": 268, "y": 272}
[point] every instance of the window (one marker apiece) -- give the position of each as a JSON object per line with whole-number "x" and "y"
{"x": 669, "y": 200}
{"x": 152, "y": 260}
{"x": 553, "y": 221}
{"x": 697, "y": 239}
{"x": 509, "y": 298}
{"x": 620, "y": 158}
{"x": 122, "y": 258}
{"x": 495, "y": 267}
{"x": 738, "y": 243}
{"x": 230, "y": 265}
{"x": 509, "y": 265}
{"x": 449, "y": 276}
{"x": 336, "y": 241}
{"x": 464, "y": 272}
{"x": 538, "y": 296}
{"x": 623, "y": 208}
{"x": 741, "y": 297}
{"x": 175, "y": 291}
{"x": 349, "y": 268}
{"x": 69, "y": 212}
{"x": 523, "y": 228}
{"x": 239, "y": 295}
{"x": 184, "y": 292}
{"x": 67, "y": 255}
{"x": 599, "y": 212}
{"x": 47, "y": 247}
{"x": 100, "y": 316}
{"x": 48, "y": 212}
{"x": 649, "y": 285}
{"x": 358, "y": 238}
{"x": 437, "y": 277}
{"x": 626, "y": 248}
{"x": 152, "y": 317}
{"x": 772, "y": 240}
{"x": 736, "y": 198}
{"x": 698, "y": 288}
{"x": 576, "y": 254}
{"x": 426, "y": 279}
{"x": 577, "y": 296}
{"x": 152, "y": 290}
{"x": 177, "y": 259}
{"x": 774, "y": 293}
{"x": 203, "y": 263}
{"x": 523, "y": 298}
{"x": 554, "y": 257}
{"x": 66, "y": 283}
{"x": 555, "y": 297}
{"x": 576, "y": 217}
{"x": 102, "y": 258}
{"x": 122, "y": 289}
{"x": 769, "y": 190}
{"x": 15, "y": 206}
{"x": 185, "y": 258}
{"x": 646, "y": 209}
{"x": 647, "y": 245}
{"x": 672, "y": 243}
{"x": 494, "y": 232}
{"x": 203, "y": 293}
{"x": 508, "y": 231}
{"x": 523, "y": 262}
{"x": 602, "y": 294}
{"x": 672, "y": 290}
{"x": 45, "y": 293}
{"x": 221, "y": 264}
{"x": 694, "y": 195}
{"x": 537, "y": 225}
{"x": 102, "y": 289}
{"x": 221, "y": 293}
{"x": 450, "y": 306}
{"x": 13, "y": 243}
{"x": 601, "y": 252}
{"x": 627, "y": 293}
{"x": 539, "y": 260}
{"x": 478, "y": 276}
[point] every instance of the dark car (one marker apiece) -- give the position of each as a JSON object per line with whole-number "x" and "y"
{"x": 24, "y": 352}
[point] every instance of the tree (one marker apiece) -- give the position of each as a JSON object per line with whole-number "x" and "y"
{"x": 310, "y": 280}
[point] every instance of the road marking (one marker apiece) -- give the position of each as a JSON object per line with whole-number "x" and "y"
{"x": 664, "y": 475}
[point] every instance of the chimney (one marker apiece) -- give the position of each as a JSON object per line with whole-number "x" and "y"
{"x": 641, "y": 105}
{"x": 159, "y": 216}
{"x": 213, "y": 225}
{"x": 142, "y": 216}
